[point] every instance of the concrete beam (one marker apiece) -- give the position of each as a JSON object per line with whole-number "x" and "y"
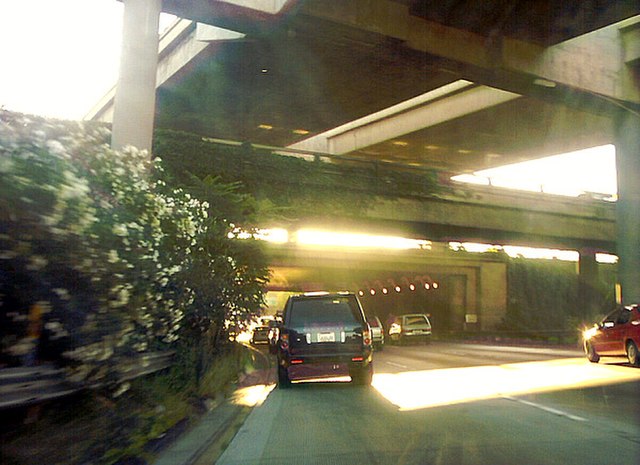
{"x": 442, "y": 220}
{"x": 180, "y": 45}
{"x": 136, "y": 95}
{"x": 247, "y": 16}
{"x": 488, "y": 215}
{"x": 630, "y": 36}
{"x": 268, "y": 6}
{"x": 628, "y": 219}
{"x": 588, "y": 285}
{"x": 443, "y": 104}
{"x": 592, "y": 63}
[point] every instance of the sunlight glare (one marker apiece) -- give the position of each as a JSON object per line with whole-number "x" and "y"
{"x": 252, "y": 396}
{"x": 606, "y": 258}
{"x": 433, "y": 388}
{"x": 517, "y": 251}
{"x": 275, "y": 235}
{"x": 328, "y": 238}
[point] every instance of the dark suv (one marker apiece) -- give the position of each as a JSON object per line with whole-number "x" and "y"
{"x": 324, "y": 334}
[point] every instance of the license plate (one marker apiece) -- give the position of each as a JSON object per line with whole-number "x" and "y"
{"x": 326, "y": 337}
{"x": 417, "y": 331}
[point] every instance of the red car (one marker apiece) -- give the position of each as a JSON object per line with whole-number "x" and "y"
{"x": 617, "y": 335}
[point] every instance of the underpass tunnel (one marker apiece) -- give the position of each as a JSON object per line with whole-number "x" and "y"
{"x": 450, "y": 295}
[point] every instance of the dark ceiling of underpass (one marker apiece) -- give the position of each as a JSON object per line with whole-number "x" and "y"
{"x": 305, "y": 75}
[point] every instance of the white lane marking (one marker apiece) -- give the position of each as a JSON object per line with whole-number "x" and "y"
{"x": 396, "y": 365}
{"x": 554, "y": 411}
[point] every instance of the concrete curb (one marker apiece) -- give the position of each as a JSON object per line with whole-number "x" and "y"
{"x": 205, "y": 442}
{"x": 188, "y": 448}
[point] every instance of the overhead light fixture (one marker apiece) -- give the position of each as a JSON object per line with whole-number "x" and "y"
{"x": 265, "y": 126}
{"x": 300, "y": 131}
{"x": 400, "y": 143}
{"x": 464, "y": 151}
{"x": 431, "y": 147}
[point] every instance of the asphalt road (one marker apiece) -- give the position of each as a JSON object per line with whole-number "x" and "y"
{"x": 453, "y": 404}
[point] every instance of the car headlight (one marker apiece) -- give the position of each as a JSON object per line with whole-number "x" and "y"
{"x": 589, "y": 333}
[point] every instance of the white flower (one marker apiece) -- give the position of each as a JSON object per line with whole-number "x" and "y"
{"x": 120, "y": 230}
{"x": 113, "y": 256}
{"x": 6, "y": 165}
{"x": 56, "y": 148}
{"x": 36, "y": 262}
{"x": 62, "y": 293}
{"x": 8, "y": 254}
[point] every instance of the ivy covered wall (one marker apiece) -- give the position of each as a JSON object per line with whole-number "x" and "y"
{"x": 544, "y": 299}
{"x": 289, "y": 187}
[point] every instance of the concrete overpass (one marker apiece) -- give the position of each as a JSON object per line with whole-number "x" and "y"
{"x": 495, "y": 216}
{"x": 532, "y": 82}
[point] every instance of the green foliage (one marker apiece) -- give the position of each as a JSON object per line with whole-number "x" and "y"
{"x": 134, "y": 425}
{"x": 285, "y": 187}
{"x": 118, "y": 260}
{"x": 156, "y": 404}
{"x": 540, "y": 293}
{"x": 543, "y": 297}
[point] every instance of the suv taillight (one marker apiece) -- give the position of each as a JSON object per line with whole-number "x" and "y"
{"x": 366, "y": 336}
{"x": 284, "y": 341}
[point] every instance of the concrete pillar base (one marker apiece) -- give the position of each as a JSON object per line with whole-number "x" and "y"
{"x": 628, "y": 206}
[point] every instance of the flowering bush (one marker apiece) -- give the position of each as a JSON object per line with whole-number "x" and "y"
{"x": 99, "y": 257}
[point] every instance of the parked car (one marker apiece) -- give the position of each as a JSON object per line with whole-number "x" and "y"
{"x": 260, "y": 335}
{"x": 324, "y": 334}
{"x": 617, "y": 335}
{"x": 377, "y": 332}
{"x": 413, "y": 327}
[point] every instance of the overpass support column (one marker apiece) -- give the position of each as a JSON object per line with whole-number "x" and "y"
{"x": 628, "y": 205}
{"x": 588, "y": 280}
{"x": 135, "y": 100}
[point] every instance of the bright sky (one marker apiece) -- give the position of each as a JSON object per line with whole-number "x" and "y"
{"x": 588, "y": 170}
{"x": 59, "y": 57}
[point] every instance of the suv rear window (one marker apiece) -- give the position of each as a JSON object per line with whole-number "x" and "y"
{"x": 325, "y": 311}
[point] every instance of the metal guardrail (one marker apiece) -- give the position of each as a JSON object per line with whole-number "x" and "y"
{"x": 29, "y": 385}
{"x": 23, "y": 386}
{"x": 144, "y": 365}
